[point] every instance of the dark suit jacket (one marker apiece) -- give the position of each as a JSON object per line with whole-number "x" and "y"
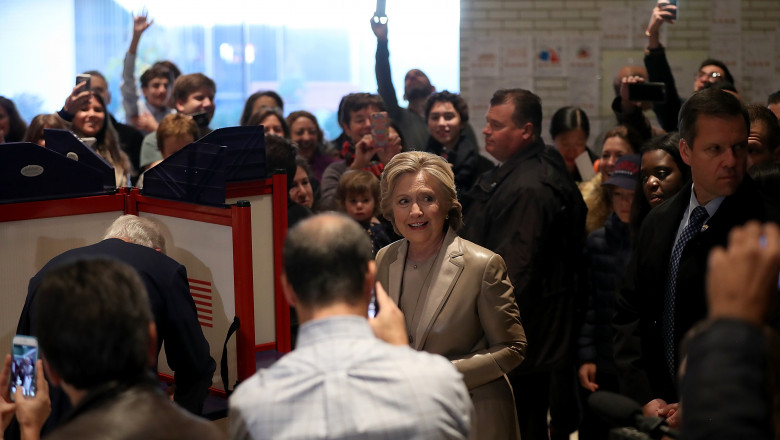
{"x": 638, "y": 345}
{"x": 174, "y": 313}
{"x": 469, "y": 317}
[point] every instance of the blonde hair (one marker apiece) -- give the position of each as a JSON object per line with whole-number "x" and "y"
{"x": 433, "y": 166}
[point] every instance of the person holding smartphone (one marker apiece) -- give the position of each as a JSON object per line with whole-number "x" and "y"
{"x": 658, "y": 69}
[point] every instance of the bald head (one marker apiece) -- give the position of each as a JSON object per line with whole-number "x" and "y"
{"x": 326, "y": 259}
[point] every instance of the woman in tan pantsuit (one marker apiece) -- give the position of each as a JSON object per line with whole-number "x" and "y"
{"x": 456, "y": 296}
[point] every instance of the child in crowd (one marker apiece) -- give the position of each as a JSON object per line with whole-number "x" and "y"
{"x": 359, "y": 197}
{"x": 175, "y": 132}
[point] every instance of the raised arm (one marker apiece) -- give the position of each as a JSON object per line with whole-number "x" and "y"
{"x": 128, "y": 87}
{"x": 657, "y": 65}
{"x": 384, "y": 80}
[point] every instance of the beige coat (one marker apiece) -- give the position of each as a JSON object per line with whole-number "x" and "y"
{"x": 470, "y": 317}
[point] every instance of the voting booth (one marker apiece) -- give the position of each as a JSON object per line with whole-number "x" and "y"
{"x": 221, "y": 216}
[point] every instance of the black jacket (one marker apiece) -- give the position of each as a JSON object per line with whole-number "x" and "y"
{"x": 608, "y": 250}
{"x": 464, "y": 159}
{"x": 639, "y": 351}
{"x": 530, "y": 212}
{"x": 138, "y": 412}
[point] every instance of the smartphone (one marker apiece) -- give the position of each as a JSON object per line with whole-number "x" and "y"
{"x": 373, "y": 306}
{"x": 647, "y": 91}
{"x": 676, "y": 13}
{"x": 380, "y": 124}
{"x": 25, "y": 355}
{"x": 83, "y": 77}
{"x": 379, "y": 14}
{"x": 201, "y": 119}
{"x": 380, "y": 8}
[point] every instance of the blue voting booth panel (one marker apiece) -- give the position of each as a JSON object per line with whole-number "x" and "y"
{"x": 67, "y": 144}
{"x": 196, "y": 174}
{"x": 245, "y": 154}
{"x": 29, "y": 172}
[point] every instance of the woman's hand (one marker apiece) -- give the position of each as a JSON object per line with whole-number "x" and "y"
{"x": 587, "y": 375}
{"x": 79, "y": 97}
{"x": 389, "y": 324}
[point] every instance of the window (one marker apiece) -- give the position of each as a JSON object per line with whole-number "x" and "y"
{"x": 310, "y": 51}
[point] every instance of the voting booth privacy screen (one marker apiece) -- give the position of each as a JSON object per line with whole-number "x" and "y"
{"x": 229, "y": 237}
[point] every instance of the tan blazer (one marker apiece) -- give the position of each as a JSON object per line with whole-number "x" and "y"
{"x": 470, "y": 317}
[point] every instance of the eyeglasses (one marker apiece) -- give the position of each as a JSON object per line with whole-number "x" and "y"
{"x": 710, "y": 76}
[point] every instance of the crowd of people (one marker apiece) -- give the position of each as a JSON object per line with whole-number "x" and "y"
{"x": 556, "y": 274}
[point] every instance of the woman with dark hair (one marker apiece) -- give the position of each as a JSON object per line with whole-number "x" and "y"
{"x": 34, "y": 132}
{"x": 618, "y": 142}
{"x": 12, "y": 126}
{"x": 569, "y": 129}
{"x": 447, "y": 115}
{"x": 663, "y": 173}
{"x": 259, "y": 100}
{"x": 305, "y": 131}
{"x": 272, "y": 121}
{"x": 90, "y": 121}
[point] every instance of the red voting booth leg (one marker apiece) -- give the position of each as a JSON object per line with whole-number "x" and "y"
{"x": 283, "y": 343}
{"x": 245, "y": 308}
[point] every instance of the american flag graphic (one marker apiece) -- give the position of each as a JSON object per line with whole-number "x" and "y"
{"x": 201, "y": 294}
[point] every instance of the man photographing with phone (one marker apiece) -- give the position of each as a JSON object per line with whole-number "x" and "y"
{"x": 658, "y": 68}
{"x": 98, "y": 339}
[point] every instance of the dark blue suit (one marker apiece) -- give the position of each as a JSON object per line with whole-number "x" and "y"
{"x": 638, "y": 348}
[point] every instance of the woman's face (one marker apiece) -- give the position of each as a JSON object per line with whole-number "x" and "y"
{"x": 571, "y": 144}
{"x": 304, "y": 133}
{"x": 621, "y": 202}
{"x": 614, "y": 147}
{"x": 444, "y": 123}
{"x": 661, "y": 178}
{"x": 89, "y": 119}
{"x": 5, "y": 123}
{"x": 271, "y": 124}
{"x": 418, "y": 210}
{"x": 360, "y": 206}
{"x": 301, "y": 191}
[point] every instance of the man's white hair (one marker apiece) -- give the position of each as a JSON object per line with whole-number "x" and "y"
{"x": 137, "y": 230}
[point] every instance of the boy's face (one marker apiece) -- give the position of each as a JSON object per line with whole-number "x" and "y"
{"x": 360, "y": 206}
{"x": 201, "y": 100}
{"x": 157, "y": 92}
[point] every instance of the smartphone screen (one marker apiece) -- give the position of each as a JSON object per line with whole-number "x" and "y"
{"x": 380, "y": 123}
{"x": 25, "y": 354}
